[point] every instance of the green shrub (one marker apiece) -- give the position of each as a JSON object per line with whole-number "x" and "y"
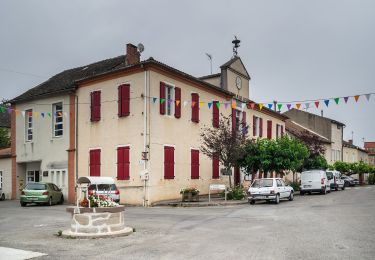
{"x": 235, "y": 193}
{"x": 371, "y": 179}
{"x": 295, "y": 186}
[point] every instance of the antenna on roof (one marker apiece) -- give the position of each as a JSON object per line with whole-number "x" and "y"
{"x": 209, "y": 56}
{"x": 140, "y": 47}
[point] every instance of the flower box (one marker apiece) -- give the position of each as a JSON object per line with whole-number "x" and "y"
{"x": 190, "y": 195}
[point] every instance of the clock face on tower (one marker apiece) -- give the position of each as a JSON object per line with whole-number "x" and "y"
{"x": 238, "y": 82}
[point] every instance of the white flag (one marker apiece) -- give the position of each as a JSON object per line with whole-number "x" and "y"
{"x": 23, "y": 113}
{"x": 368, "y": 97}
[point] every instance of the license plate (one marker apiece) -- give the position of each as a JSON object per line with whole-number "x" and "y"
{"x": 261, "y": 197}
{"x": 307, "y": 186}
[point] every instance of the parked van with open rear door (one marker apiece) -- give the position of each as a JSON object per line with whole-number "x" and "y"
{"x": 314, "y": 181}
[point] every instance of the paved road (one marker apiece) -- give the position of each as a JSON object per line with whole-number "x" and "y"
{"x": 339, "y": 225}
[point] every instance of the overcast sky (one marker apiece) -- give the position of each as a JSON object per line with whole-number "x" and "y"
{"x": 293, "y": 50}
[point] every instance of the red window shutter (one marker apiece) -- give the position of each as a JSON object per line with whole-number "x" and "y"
{"x": 282, "y": 131}
{"x": 260, "y": 127}
{"x": 162, "y": 96}
{"x": 92, "y": 106}
{"x": 215, "y": 167}
{"x": 95, "y": 162}
{"x": 269, "y": 129}
{"x": 123, "y": 163}
{"x": 277, "y": 130}
{"x": 124, "y": 100}
{"x": 234, "y": 127}
{"x": 177, "y": 109}
{"x": 95, "y": 105}
{"x": 195, "y": 108}
{"x": 215, "y": 114}
{"x": 194, "y": 164}
{"x": 168, "y": 162}
{"x": 254, "y": 125}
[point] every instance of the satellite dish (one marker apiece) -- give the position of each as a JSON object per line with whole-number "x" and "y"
{"x": 140, "y": 47}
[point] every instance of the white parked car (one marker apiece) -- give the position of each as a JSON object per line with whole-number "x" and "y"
{"x": 314, "y": 181}
{"x": 270, "y": 189}
{"x": 335, "y": 180}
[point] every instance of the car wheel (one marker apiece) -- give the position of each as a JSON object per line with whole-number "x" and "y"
{"x": 343, "y": 187}
{"x": 61, "y": 200}
{"x": 2, "y": 196}
{"x": 291, "y": 196}
{"x": 252, "y": 202}
{"x": 50, "y": 202}
{"x": 23, "y": 204}
{"x": 277, "y": 200}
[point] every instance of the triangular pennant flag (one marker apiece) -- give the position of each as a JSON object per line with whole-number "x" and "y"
{"x": 42, "y": 114}
{"x": 49, "y": 114}
{"x": 178, "y": 102}
{"x": 23, "y": 113}
{"x": 317, "y": 104}
{"x": 218, "y": 104}
{"x": 185, "y": 103}
{"x": 2, "y": 109}
{"x": 226, "y": 105}
{"x": 234, "y": 105}
{"x": 307, "y": 105}
{"x": 279, "y": 106}
{"x": 368, "y": 97}
{"x": 260, "y": 106}
{"x": 289, "y": 106}
{"x": 162, "y": 100}
{"x": 169, "y": 101}
{"x": 270, "y": 106}
{"x": 337, "y": 100}
{"x": 346, "y": 99}
{"x": 243, "y": 106}
{"x": 9, "y": 110}
{"x": 193, "y": 104}
{"x": 298, "y": 105}
{"x": 252, "y": 105}
{"x": 356, "y": 98}
{"x": 154, "y": 100}
{"x": 209, "y": 104}
{"x": 17, "y": 112}
{"x": 201, "y": 104}
{"x": 326, "y": 102}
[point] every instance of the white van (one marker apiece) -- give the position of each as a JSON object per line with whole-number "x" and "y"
{"x": 335, "y": 181}
{"x": 314, "y": 181}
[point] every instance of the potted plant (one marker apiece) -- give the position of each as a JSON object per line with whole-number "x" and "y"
{"x": 189, "y": 194}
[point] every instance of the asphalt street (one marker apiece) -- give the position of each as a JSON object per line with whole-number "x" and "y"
{"x": 339, "y": 225}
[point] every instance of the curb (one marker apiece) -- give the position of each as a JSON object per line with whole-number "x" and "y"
{"x": 195, "y": 204}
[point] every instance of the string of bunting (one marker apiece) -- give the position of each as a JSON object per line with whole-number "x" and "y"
{"x": 250, "y": 105}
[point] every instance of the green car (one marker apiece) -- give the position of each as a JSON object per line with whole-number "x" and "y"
{"x": 41, "y": 193}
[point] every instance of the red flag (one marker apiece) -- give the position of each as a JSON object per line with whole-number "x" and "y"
{"x": 317, "y": 104}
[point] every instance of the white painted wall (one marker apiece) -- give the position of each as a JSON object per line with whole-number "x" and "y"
{"x": 6, "y": 170}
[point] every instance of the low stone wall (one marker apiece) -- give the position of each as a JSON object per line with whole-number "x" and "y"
{"x": 96, "y": 222}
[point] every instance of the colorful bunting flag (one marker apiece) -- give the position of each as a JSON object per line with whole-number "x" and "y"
{"x": 356, "y": 98}
{"x": 162, "y": 100}
{"x": 23, "y": 113}
{"x": 218, "y": 104}
{"x": 346, "y": 99}
{"x": 243, "y": 106}
{"x": 368, "y": 97}
{"x": 260, "y": 106}
{"x": 42, "y": 114}
{"x": 154, "y": 100}
{"x": 289, "y": 106}
{"x": 234, "y": 105}
{"x": 337, "y": 100}
{"x": 178, "y": 102}
{"x": 209, "y": 104}
{"x": 49, "y": 114}
{"x": 279, "y": 106}
{"x": 270, "y": 106}
{"x": 298, "y": 105}
{"x": 226, "y": 105}
{"x": 201, "y": 104}
{"x": 185, "y": 103}
{"x": 317, "y": 104}
{"x": 192, "y": 103}
{"x": 252, "y": 105}
{"x": 307, "y": 105}
{"x": 326, "y": 102}
{"x": 2, "y": 109}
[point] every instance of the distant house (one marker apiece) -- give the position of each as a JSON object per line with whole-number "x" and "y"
{"x": 328, "y": 130}
{"x": 353, "y": 153}
{"x": 370, "y": 148}
{"x": 5, "y": 158}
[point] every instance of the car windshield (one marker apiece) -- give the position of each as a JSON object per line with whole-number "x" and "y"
{"x": 262, "y": 183}
{"x": 103, "y": 187}
{"x": 329, "y": 175}
{"x": 36, "y": 186}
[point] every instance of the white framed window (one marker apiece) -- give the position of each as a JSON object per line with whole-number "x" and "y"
{"x": 238, "y": 120}
{"x": 257, "y": 126}
{"x": 279, "y": 130}
{"x": 58, "y": 125}
{"x": 29, "y": 125}
{"x": 169, "y": 102}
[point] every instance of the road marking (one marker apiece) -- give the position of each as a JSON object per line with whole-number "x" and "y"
{"x": 18, "y": 254}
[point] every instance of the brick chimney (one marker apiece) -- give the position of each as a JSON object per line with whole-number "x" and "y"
{"x": 132, "y": 54}
{"x": 350, "y": 141}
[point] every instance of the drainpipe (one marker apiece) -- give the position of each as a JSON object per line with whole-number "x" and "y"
{"x": 145, "y": 97}
{"x": 76, "y": 137}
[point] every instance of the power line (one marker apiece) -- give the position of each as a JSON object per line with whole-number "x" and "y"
{"x": 23, "y": 73}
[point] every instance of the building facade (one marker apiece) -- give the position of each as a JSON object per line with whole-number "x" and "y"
{"x": 138, "y": 122}
{"x": 329, "y": 130}
{"x": 370, "y": 148}
{"x": 353, "y": 153}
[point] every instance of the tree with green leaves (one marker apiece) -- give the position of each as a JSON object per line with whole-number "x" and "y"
{"x": 4, "y": 138}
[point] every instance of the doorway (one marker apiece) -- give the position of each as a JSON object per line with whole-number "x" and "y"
{"x": 32, "y": 176}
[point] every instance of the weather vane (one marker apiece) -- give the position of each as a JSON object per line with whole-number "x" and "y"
{"x": 236, "y": 43}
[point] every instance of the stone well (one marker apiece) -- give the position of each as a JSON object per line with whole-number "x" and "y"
{"x": 97, "y": 222}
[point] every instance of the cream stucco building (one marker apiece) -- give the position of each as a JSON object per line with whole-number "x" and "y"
{"x": 136, "y": 121}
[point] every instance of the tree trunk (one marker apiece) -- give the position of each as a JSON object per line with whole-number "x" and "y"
{"x": 230, "y": 177}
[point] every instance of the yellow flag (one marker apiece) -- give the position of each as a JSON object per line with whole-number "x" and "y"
{"x": 260, "y": 106}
